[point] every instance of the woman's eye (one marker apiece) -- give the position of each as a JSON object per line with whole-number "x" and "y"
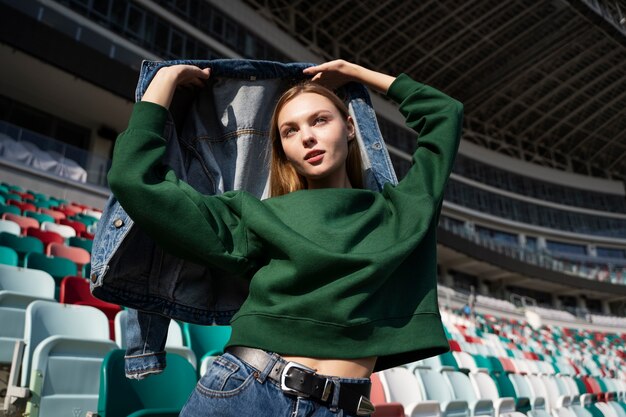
{"x": 320, "y": 120}
{"x": 289, "y": 132}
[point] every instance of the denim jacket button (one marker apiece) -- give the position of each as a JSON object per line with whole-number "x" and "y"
{"x": 94, "y": 278}
{"x": 118, "y": 223}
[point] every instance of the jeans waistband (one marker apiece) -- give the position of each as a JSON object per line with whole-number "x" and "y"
{"x": 350, "y": 394}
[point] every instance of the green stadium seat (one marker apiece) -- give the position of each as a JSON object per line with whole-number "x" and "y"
{"x": 40, "y": 217}
{"x": 162, "y": 395}
{"x": 80, "y": 242}
{"x": 206, "y": 341}
{"x": 8, "y": 256}
{"x": 21, "y": 244}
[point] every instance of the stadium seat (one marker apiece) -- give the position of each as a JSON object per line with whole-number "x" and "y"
{"x": 76, "y": 225}
{"x": 206, "y": 341}
{"x": 173, "y": 344}
{"x": 26, "y": 281}
{"x": 40, "y": 217}
{"x": 93, "y": 213}
{"x": 80, "y": 242}
{"x": 465, "y": 360}
{"x": 18, "y": 288}
{"x": 75, "y": 290}
{"x": 463, "y": 390}
{"x": 58, "y": 268}
{"x": 23, "y": 221}
{"x": 434, "y": 387}
{"x": 161, "y": 395}
{"x": 64, "y": 230}
{"x": 486, "y": 389}
{"x": 5, "y": 208}
{"x": 46, "y": 237}
{"x": 8, "y": 256}
{"x": 377, "y": 397}
{"x": 77, "y": 255}
{"x": 57, "y": 215}
{"x": 9, "y": 226}
{"x": 401, "y": 386}
{"x": 21, "y": 244}
{"x": 23, "y": 206}
{"x": 64, "y": 349}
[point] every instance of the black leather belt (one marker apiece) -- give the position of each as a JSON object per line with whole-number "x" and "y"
{"x": 297, "y": 379}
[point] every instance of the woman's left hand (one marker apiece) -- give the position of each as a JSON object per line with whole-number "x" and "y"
{"x": 334, "y": 74}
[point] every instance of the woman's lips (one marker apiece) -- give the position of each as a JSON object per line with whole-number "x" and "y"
{"x": 314, "y": 157}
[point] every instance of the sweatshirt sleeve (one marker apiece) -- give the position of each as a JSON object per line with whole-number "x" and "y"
{"x": 201, "y": 228}
{"x": 438, "y": 120}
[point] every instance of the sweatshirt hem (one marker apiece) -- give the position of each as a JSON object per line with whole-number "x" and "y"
{"x": 394, "y": 340}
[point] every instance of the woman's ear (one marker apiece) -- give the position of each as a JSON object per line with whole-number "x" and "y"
{"x": 351, "y": 128}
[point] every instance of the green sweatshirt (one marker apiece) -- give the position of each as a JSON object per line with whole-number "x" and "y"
{"x": 335, "y": 273}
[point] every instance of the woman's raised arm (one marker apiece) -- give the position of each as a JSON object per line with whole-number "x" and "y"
{"x": 205, "y": 229}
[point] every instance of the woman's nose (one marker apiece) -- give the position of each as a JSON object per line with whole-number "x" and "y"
{"x": 308, "y": 138}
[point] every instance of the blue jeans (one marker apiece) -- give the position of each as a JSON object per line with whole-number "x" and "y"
{"x": 231, "y": 387}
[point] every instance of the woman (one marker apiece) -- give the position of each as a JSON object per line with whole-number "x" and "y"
{"x": 343, "y": 280}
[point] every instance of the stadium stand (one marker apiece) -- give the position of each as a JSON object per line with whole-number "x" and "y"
{"x": 533, "y": 226}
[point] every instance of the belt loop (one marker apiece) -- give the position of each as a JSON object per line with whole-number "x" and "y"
{"x": 268, "y": 368}
{"x": 334, "y": 403}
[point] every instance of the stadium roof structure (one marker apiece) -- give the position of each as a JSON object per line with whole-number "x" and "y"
{"x": 541, "y": 80}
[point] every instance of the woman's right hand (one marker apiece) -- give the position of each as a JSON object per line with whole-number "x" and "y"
{"x": 167, "y": 79}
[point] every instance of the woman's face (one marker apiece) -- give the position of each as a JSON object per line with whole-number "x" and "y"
{"x": 315, "y": 136}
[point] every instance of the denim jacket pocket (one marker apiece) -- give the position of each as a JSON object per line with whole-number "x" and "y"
{"x": 225, "y": 378}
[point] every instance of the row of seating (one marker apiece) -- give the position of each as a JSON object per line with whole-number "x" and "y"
{"x": 62, "y": 340}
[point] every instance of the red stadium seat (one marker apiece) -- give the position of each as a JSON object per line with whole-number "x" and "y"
{"x": 75, "y": 290}
{"x": 46, "y": 237}
{"x": 22, "y": 205}
{"x": 507, "y": 364}
{"x": 454, "y": 346}
{"x": 78, "y": 226}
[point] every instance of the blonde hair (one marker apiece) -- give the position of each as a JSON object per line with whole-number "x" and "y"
{"x": 284, "y": 178}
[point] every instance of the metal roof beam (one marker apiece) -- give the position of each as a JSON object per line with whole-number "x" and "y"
{"x": 562, "y": 120}
{"x": 562, "y": 85}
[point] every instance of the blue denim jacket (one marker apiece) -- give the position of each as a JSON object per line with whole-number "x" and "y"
{"x": 128, "y": 268}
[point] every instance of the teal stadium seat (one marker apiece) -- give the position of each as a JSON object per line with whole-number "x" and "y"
{"x": 173, "y": 344}
{"x": 65, "y": 346}
{"x": 5, "y": 208}
{"x": 161, "y": 395}
{"x": 40, "y": 217}
{"x": 21, "y": 244}
{"x": 8, "y": 256}
{"x": 59, "y": 268}
{"x": 206, "y": 341}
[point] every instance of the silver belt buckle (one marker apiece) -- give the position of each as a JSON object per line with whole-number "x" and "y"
{"x": 283, "y": 376}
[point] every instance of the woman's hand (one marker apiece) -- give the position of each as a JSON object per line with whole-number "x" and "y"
{"x": 334, "y": 74}
{"x": 167, "y": 79}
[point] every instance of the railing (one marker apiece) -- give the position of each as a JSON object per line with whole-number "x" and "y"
{"x": 614, "y": 273}
{"x": 51, "y": 156}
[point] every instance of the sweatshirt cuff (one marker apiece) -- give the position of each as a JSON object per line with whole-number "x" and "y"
{"x": 148, "y": 116}
{"x": 402, "y": 87}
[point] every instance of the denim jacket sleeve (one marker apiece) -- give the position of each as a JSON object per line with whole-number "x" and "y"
{"x": 207, "y": 229}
